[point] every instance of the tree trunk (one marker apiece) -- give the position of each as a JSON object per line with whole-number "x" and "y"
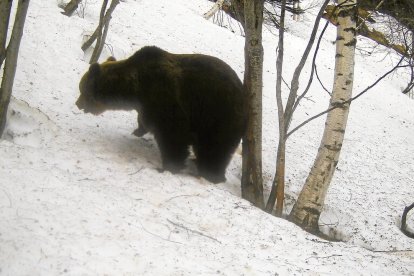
{"x": 277, "y": 192}
{"x": 5, "y": 9}
{"x": 296, "y": 10}
{"x": 252, "y": 186}
{"x": 94, "y": 57}
{"x": 285, "y": 114}
{"x": 71, "y": 7}
{"x": 409, "y": 88}
{"x": 93, "y": 37}
{"x": 11, "y": 61}
{"x": 103, "y": 25}
{"x": 308, "y": 207}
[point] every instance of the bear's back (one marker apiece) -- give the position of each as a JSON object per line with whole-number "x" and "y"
{"x": 207, "y": 88}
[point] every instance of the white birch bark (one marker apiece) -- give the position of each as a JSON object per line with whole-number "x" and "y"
{"x": 213, "y": 9}
{"x": 310, "y": 202}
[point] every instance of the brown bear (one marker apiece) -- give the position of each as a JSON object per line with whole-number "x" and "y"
{"x": 183, "y": 99}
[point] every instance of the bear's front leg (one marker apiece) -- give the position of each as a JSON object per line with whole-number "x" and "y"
{"x": 141, "y": 130}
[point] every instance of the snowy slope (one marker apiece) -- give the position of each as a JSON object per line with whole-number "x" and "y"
{"x": 80, "y": 195}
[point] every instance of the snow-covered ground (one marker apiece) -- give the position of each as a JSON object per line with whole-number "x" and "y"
{"x": 80, "y": 195}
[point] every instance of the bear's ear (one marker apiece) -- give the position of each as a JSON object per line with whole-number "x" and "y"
{"x": 111, "y": 58}
{"x": 94, "y": 70}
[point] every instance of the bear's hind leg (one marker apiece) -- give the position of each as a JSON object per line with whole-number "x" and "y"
{"x": 173, "y": 152}
{"x": 212, "y": 163}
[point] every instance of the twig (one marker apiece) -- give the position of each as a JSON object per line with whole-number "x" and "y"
{"x": 369, "y": 14}
{"x": 140, "y": 169}
{"x": 318, "y": 241}
{"x": 284, "y": 81}
{"x": 8, "y": 196}
{"x": 324, "y": 257}
{"x": 86, "y": 179}
{"x": 174, "y": 197}
{"x": 320, "y": 81}
{"x": 309, "y": 99}
{"x": 155, "y": 235}
{"x": 391, "y": 251}
{"x": 193, "y": 231}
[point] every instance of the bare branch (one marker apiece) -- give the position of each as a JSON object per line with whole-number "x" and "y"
{"x": 365, "y": 31}
{"x": 324, "y": 257}
{"x": 295, "y": 79}
{"x": 193, "y": 231}
{"x": 155, "y": 235}
{"x": 350, "y": 100}
{"x": 366, "y": 17}
{"x": 312, "y": 70}
{"x": 284, "y": 116}
{"x": 320, "y": 81}
{"x": 174, "y": 197}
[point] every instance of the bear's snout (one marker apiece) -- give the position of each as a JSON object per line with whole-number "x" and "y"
{"x": 80, "y": 103}
{"x": 86, "y": 106}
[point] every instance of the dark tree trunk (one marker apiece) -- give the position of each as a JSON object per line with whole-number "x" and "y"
{"x": 101, "y": 24}
{"x": 5, "y": 8}
{"x": 101, "y": 31}
{"x": 252, "y": 186}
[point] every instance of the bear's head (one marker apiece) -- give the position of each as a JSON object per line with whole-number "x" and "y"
{"x": 98, "y": 88}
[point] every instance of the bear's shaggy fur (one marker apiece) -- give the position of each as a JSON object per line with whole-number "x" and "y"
{"x": 183, "y": 99}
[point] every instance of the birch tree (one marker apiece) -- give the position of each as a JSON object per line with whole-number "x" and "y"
{"x": 252, "y": 182}
{"x": 217, "y": 6}
{"x": 11, "y": 54}
{"x": 285, "y": 112}
{"x": 308, "y": 207}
